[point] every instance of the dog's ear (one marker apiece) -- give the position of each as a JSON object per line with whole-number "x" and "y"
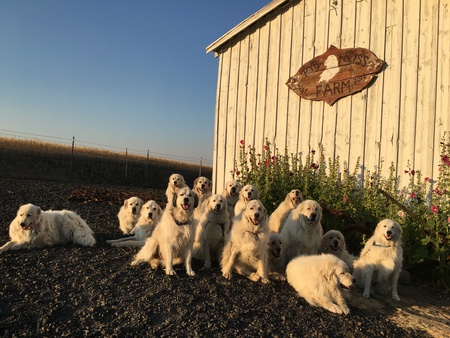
{"x": 195, "y": 199}
{"x": 196, "y": 181}
{"x": 38, "y": 212}
{"x": 208, "y": 181}
{"x": 125, "y": 203}
{"x": 257, "y": 194}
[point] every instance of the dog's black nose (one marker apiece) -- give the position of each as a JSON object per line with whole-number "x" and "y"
{"x": 335, "y": 242}
{"x": 233, "y": 190}
{"x": 278, "y": 250}
{"x": 23, "y": 225}
{"x": 389, "y": 232}
{"x": 150, "y": 215}
{"x": 186, "y": 200}
{"x": 257, "y": 215}
{"x": 203, "y": 186}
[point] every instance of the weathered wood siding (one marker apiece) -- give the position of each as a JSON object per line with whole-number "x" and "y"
{"x": 400, "y": 118}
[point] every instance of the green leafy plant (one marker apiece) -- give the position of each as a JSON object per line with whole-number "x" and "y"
{"x": 422, "y": 207}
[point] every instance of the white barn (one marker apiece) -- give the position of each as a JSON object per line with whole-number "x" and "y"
{"x": 400, "y": 118}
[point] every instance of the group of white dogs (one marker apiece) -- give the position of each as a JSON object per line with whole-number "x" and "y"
{"x": 234, "y": 230}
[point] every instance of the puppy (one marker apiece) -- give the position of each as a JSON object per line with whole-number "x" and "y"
{"x": 129, "y": 214}
{"x": 321, "y": 280}
{"x": 245, "y": 249}
{"x": 379, "y": 264}
{"x": 203, "y": 188}
{"x": 278, "y": 217}
{"x": 171, "y": 241}
{"x": 248, "y": 193}
{"x": 275, "y": 256}
{"x": 231, "y": 194}
{"x": 176, "y": 182}
{"x": 333, "y": 242}
{"x": 303, "y": 230}
{"x": 34, "y": 228}
{"x": 150, "y": 215}
{"x": 213, "y": 226}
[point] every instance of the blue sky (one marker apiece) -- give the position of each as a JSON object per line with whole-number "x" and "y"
{"x": 122, "y": 74}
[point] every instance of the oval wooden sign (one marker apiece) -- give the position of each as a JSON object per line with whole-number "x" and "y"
{"x": 335, "y": 74}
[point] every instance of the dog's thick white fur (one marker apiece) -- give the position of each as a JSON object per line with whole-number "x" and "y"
{"x": 275, "y": 257}
{"x": 34, "y": 228}
{"x": 248, "y": 193}
{"x": 278, "y": 217}
{"x": 129, "y": 214}
{"x": 176, "y": 182}
{"x": 321, "y": 280}
{"x": 302, "y": 230}
{"x": 245, "y": 249}
{"x": 380, "y": 262}
{"x": 151, "y": 213}
{"x": 333, "y": 242}
{"x": 203, "y": 188}
{"x": 231, "y": 193}
{"x": 172, "y": 240}
{"x": 212, "y": 228}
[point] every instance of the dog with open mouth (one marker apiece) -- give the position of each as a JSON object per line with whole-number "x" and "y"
{"x": 379, "y": 265}
{"x": 303, "y": 230}
{"x": 176, "y": 182}
{"x": 322, "y": 280}
{"x": 172, "y": 240}
{"x": 35, "y": 228}
{"x": 245, "y": 249}
{"x": 333, "y": 242}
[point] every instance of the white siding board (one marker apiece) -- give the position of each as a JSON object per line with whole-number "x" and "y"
{"x": 426, "y": 105}
{"x": 242, "y": 91}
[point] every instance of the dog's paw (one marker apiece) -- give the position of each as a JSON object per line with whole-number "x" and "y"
{"x": 366, "y": 294}
{"x": 265, "y": 280}
{"x": 254, "y": 277}
{"x": 395, "y": 297}
{"x": 171, "y": 272}
{"x": 227, "y": 275}
{"x": 345, "y": 309}
{"x": 277, "y": 276}
{"x": 190, "y": 273}
{"x": 207, "y": 265}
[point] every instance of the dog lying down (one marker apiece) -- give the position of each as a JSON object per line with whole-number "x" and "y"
{"x": 321, "y": 280}
{"x": 150, "y": 215}
{"x": 34, "y": 228}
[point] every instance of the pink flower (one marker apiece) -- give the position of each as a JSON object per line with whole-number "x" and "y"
{"x": 406, "y": 171}
{"x": 266, "y": 147}
{"x": 401, "y": 213}
{"x": 448, "y": 220}
{"x": 413, "y": 172}
{"x": 412, "y": 195}
{"x": 345, "y": 199}
{"x": 242, "y": 142}
{"x": 434, "y": 209}
{"x": 427, "y": 179}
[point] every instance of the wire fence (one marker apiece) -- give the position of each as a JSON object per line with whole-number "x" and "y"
{"x": 32, "y": 158}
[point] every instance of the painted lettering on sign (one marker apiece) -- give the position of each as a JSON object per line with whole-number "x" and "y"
{"x": 335, "y": 74}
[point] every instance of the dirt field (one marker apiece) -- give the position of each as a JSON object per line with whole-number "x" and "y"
{"x": 85, "y": 292}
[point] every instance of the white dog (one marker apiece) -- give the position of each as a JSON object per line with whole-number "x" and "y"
{"x": 321, "y": 281}
{"x": 303, "y": 230}
{"x": 275, "y": 257}
{"x": 213, "y": 226}
{"x": 176, "y": 182}
{"x": 248, "y": 193}
{"x": 172, "y": 240}
{"x": 129, "y": 214}
{"x": 333, "y": 242}
{"x": 203, "y": 188}
{"x": 231, "y": 194}
{"x": 34, "y": 228}
{"x": 151, "y": 213}
{"x": 246, "y": 247}
{"x": 380, "y": 261}
{"x": 278, "y": 217}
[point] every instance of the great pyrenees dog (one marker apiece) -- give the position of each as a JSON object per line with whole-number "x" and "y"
{"x": 212, "y": 228}
{"x": 321, "y": 280}
{"x": 231, "y": 193}
{"x": 379, "y": 264}
{"x": 172, "y": 240}
{"x": 333, "y": 242}
{"x": 129, "y": 214}
{"x": 245, "y": 249}
{"x": 151, "y": 213}
{"x": 302, "y": 230}
{"x": 203, "y": 188}
{"x": 278, "y": 217}
{"x": 248, "y": 193}
{"x": 275, "y": 257}
{"x": 35, "y": 228}
{"x": 176, "y": 182}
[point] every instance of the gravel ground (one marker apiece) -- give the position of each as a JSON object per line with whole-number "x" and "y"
{"x": 74, "y": 291}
